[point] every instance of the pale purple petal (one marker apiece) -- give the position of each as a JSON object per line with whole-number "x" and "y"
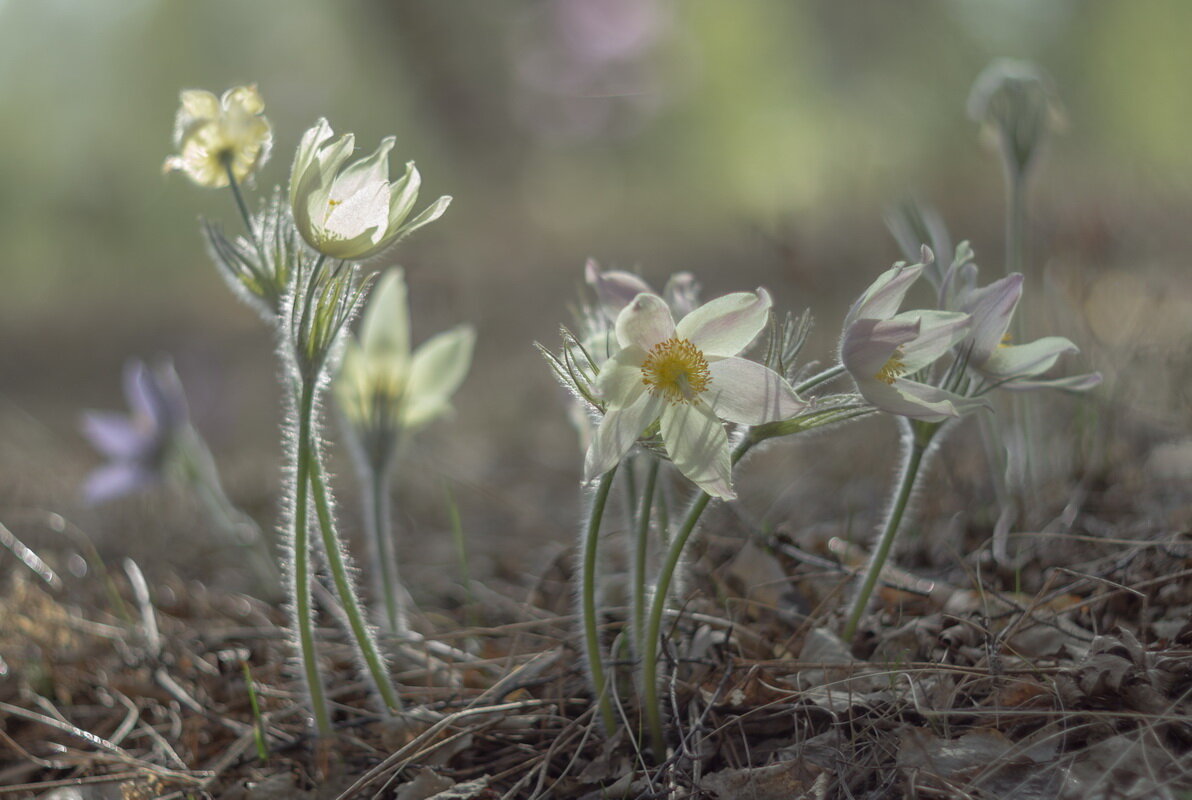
{"x": 645, "y": 322}
{"x": 116, "y": 436}
{"x": 620, "y": 379}
{"x": 1027, "y": 360}
{"x": 938, "y": 332}
{"x": 698, "y": 446}
{"x": 116, "y": 480}
{"x": 726, "y": 326}
{"x": 614, "y": 289}
{"x": 911, "y": 399}
{"x": 1075, "y": 383}
{"x": 992, "y": 308}
{"x": 869, "y": 343}
{"x": 619, "y": 429}
{"x": 748, "y": 393}
{"x": 681, "y": 293}
{"x": 883, "y": 297}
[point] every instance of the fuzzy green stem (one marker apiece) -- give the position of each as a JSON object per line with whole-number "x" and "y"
{"x": 244, "y": 213}
{"x": 379, "y": 522}
{"x": 588, "y": 603}
{"x": 651, "y": 643}
{"x": 641, "y": 549}
{"x": 822, "y": 377}
{"x": 301, "y": 542}
{"x": 920, "y": 441}
{"x": 347, "y": 594}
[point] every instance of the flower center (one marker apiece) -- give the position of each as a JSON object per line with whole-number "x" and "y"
{"x": 676, "y": 371}
{"x": 892, "y": 368}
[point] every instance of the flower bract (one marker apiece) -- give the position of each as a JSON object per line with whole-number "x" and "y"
{"x": 353, "y": 212}
{"x": 688, "y": 378}
{"x": 215, "y": 135}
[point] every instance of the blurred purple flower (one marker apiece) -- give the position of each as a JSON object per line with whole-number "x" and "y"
{"x": 137, "y": 445}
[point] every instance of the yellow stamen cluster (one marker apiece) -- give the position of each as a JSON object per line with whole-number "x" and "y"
{"x": 1006, "y": 341}
{"x": 891, "y": 369}
{"x": 676, "y": 371}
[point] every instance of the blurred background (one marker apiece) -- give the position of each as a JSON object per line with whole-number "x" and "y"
{"x": 753, "y": 143}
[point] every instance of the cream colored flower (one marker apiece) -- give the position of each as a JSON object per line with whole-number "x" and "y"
{"x": 383, "y": 387}
{"x": 688, "y": 377}
{"x": 214, "y": 135}
{"x": 352, "y": 212}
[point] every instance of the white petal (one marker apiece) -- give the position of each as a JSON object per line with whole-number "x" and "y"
{"x": 726, "y": 326}
{"x": 938, "y": 332}
{"x": 697, "y": 444}
{"x": 366, "y": 172}
{"x": 385, "y": 330}
{"x": 916, "y": 400}
{"x": 439, "y": 366}
{"x": 883, "y": 297}
{"x": 1027, "y": 360}
{"x": 620, "y": 378}
{"x": 359, "y": 218}
{"x": 645, "y": 322}
{"x": 619, "y": 429}
{"x": 749, "y": 393}
{"x": 405, "y": 194}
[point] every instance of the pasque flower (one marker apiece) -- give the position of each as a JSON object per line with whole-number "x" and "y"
{"x": 688, "y": 378}
{"x": 137, "y": 446}
{"x": 881, "y": 348}
{"x": 352, "y": 212}
{"x": 215, "y": 135}
{"x": 384, "y": 386}
{"x": 1012, "y": 366}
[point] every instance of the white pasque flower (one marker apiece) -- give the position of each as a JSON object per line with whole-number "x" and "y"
{"x": 217, "y": 134}
{"x": 880, "y": 347}
{"x": 355, "y": 212}
{"x": 383, "y": 386}
{"x": 687, "y": 376}
{"x": 1011, "y": 366}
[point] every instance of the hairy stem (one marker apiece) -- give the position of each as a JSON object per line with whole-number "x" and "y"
{"x": 365, "y": 642}
{"x": 302, "y": 602}
{"x": 651, "y": 642}
{"x": 378, "y": 520}
{"x": 920, "y": 441}
{"x": 587, "y": 595}
{"x": 641, "y": 547}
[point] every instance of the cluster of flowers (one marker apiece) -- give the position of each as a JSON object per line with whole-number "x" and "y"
{"x": 660, "y": 378}
{"x": 660, "y": 375}
{"x": 298, "y": 266}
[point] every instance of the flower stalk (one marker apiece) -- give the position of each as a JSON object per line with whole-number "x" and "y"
{"x": 591, "y": 639}
{"x": 300, "y": 590}
{"x": 641, "y": 548}
{"x": 921, "y": 434}
{"x": 651, "y": 705}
